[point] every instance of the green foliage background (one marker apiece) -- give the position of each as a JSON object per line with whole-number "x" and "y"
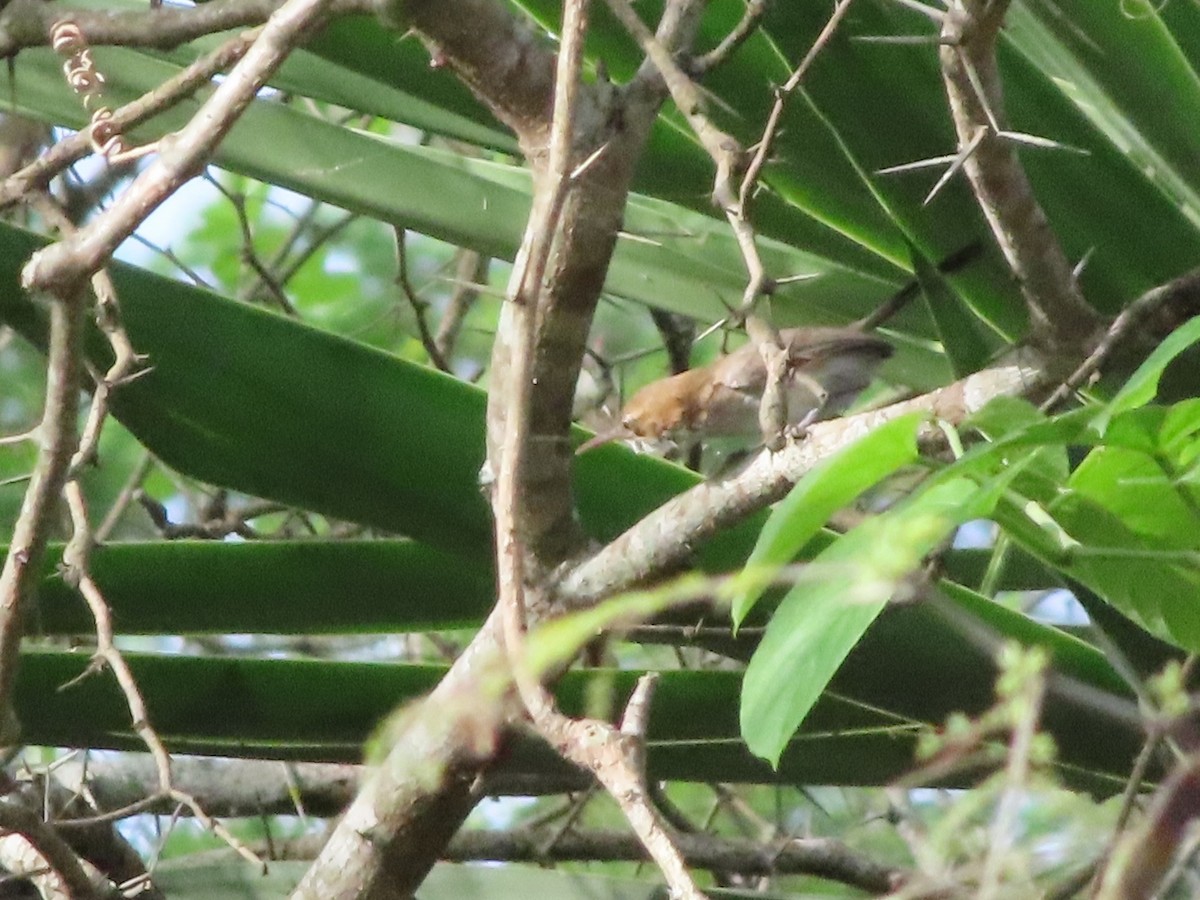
{"x": 336, "y": 412}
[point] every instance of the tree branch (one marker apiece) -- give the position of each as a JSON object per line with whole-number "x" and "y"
{"x": 57, "y": 437}
{"x": 1062, "y": 323}
{"x": 67, "y": 876}
{"x": 27, "y": 23}
{"x": 667, "y": 537}
{"x": 500, "y": 57}
{"x": 812, "y": 856}
{"x": 417, "y": 797}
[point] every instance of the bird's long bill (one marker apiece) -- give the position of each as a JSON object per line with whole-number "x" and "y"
{"x": 604, "y": 437}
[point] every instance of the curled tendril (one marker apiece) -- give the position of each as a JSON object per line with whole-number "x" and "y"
{"x": 103, "y": 135}
{"x": 66, "y": 37}
{"x": 81, "y": 74}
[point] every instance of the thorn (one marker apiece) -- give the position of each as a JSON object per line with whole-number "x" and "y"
{"x": 959, "y": 161}
{"x": 977, "y": 86}
{"x": 793, "y": 279}
{"x": 1033, "y": 140}
{"x": 903, "y": 39}
{"x": 932, "y": 163}
{"x": 1077, "y": 271}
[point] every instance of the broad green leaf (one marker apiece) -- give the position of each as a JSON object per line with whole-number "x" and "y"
{"x": 826, "y": 613}
{"x": 324, "y": 710}
{"x": 1156, "y": 586}
{"x": 319, "y": 587}
{"x": 244, "y": 398}
{"x": 1143, "y": 493}
{"x": 1023, "y": 443}
{"x": 269, "y": 587}
{"x": 1143, "y": 384}
{"x": 1125, "y": 523}
{"x": 830, "y": 486}
{"x": 1003, "y": 417}
{"x": 667, "y": 256}
{"x": 1109, "y": 59}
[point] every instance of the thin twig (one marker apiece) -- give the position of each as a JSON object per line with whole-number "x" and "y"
{"x": 755, "y": 10}
{"x": 233, "y": 521}
{"x": 249, "y": 255}
{"x": 419, "y": 306}
{"x": 165, "y": 28}
{"x": 56, "y": 431}
{"x": 129, "y": 489}
{"x": 319, "y": 238}
{"x": 1125, "y": 326}
{"x": 771, "y": 130}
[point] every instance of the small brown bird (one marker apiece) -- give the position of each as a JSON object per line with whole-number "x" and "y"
{"x": 829, "y": 368}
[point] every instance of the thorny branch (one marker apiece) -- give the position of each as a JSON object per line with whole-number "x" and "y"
{"x": 60, "y": 272}
{"x": 76, "y": 561}
{"x": 1147, "y": 319}
{"x": 57, "y": 442}
{"x": 736, "y": 177}
{"x": 76, "y": 556}
{"x": 613, "y": 755}
{"x": 1062, "y": 322}
{"x": 755, "y": 10}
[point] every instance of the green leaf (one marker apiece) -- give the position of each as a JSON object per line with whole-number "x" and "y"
{"x": 324, "y": 710}
{"x": 826, "y": 613}
{"x": 269, "y": 587}
{"x": 1154, "y": 585}
{"x": 830, "y": 486}
{"x": 1142, "y": 386}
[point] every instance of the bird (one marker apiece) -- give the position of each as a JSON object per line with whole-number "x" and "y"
{"x": 827, "y": 369}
